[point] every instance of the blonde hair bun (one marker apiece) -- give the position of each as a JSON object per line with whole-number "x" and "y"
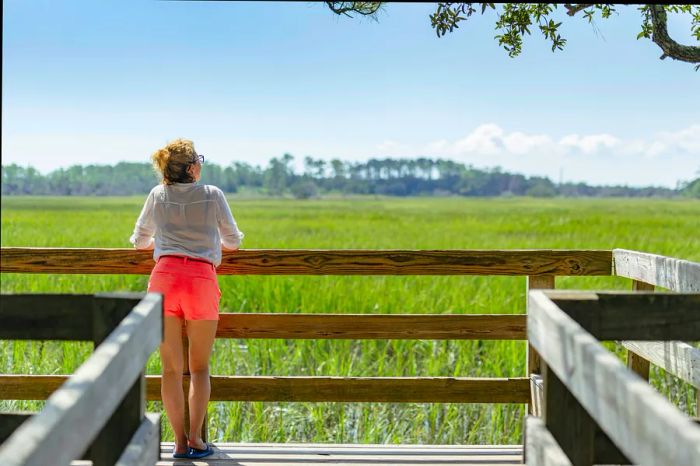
{"x": 172, "y": 161}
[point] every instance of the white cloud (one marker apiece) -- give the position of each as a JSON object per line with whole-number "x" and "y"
{"x": 589, "y": 144}
{"x": 662, "y": 158}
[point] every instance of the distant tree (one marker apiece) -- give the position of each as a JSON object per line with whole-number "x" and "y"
{"x": 279, "y": 175}
{"x": 516, "y": 19}
{"x": 692, "y": 189}
{"x": 541, "y": 187}
{"x": 304, "y": 189}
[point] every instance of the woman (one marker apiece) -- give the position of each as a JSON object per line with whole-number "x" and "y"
{"x": 192, "y": 224}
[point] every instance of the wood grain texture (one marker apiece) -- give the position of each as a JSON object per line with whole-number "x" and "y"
{"x": 364, "y": 389}
{"x": 643, "y": 424}
{"x": 360, "y": 389}
{"x": 632, "y": 315}
{"x": 74, "y": 414}
{"x": 322, "y": 262}
{"x": 144, "y": 447}
{"x": 675, "y": 274}
{"x": 675, "y": 357}
{"x": 373, "y": 326}
{"x": 541, "y": 449}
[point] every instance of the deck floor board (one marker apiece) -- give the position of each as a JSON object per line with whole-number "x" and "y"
{"x": 247, "y": 454}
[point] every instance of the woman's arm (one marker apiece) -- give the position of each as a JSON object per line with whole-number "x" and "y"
{"x": 231, "y": 236}
{"x": 145, "y": 228}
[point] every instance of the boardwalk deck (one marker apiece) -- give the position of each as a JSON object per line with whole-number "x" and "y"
{"x": 262, "y": 454}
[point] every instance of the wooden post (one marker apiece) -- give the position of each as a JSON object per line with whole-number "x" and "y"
{"x": 107, "y": 313}
{"x": 635, "y": 362}
{"x": 578, "y": 435}
{"x": 536, "y": 282}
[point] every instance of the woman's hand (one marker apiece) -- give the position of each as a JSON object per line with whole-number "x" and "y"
{"x": 225, "y": 249}
{"x": 148, "y": 247}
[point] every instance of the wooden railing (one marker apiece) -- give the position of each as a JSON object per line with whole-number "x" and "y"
{"x": 540, "y": 266}
{"x": 595, "y": 410}
{"x": 649, "y": 271}
{"x": 98, "y": 412}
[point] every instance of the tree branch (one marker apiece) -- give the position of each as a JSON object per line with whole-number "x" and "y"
{"x": 363, "y": 8}
{"x": 571, "y": 10}
{"x": 671, "y": 48}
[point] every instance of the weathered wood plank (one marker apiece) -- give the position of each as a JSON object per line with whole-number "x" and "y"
{"x": 144, "y": 447}
{"x": 575, "y": 431}
{"x": 108, "y": 310}
{"x": 258, "y": 388}
{"x": 366, "y": 455}
{"x": 541, "y": 449}
{"x": 46, "y": 317}
{"x": 365, "y": 389}
{"x": 632, "y": 315}
{"x": 120, "y": 427}
{"x": 322, "y": 262}
{"x": 536, "y": 282}
{"x": 667, "y": 272}
{"x": 638, "y": 365}
{"x": 29, "y": 387}
{"x": 645, "y": 426}
{"x": 675, "y": 357}
{"x": 373, "y": 326}
{"x": 75, "y": 413}
{"x": 9, "y": 422}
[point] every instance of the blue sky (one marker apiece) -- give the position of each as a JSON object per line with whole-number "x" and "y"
{"x": 99, "y": 82}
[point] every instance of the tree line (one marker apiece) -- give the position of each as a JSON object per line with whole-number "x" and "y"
{"x": 395, "y": 177}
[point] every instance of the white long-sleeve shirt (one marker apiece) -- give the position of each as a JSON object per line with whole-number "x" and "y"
{"x": 187, "y": 219}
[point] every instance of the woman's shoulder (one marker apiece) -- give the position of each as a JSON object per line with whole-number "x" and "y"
{"x": 213, "y": 190}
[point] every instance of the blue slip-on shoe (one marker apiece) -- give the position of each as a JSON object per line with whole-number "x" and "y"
{"x": 194, "y": 453}
{"x": 186, "y": 454}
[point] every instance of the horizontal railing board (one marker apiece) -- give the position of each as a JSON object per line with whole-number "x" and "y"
{"x": 675, "y": 274}
{"x": 373, "y": 326}
{"x": 321, "y": 261}
{"x": 70, "y": 317}
{"x": 675, "y": 357}
{"x": 75, "y": 413}
{"x": 644, "y": 426}
{"x": 348, "y": 389}
{"x": 630, "y": 315}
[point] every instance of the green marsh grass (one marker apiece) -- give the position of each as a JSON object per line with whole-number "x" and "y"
{"x": 666, "y": 227}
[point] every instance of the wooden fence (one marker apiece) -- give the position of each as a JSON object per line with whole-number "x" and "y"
{"x": 98, "y": 413}
{"x": 539, "y": 266}
{"x": 596, "y": 411}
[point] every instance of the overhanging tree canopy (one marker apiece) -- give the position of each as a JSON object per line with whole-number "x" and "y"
{"x": 516, "y": 19}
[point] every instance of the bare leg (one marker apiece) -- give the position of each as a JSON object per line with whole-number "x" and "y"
{"x": 171, "y": 385}
{"x": 201, "y": 334}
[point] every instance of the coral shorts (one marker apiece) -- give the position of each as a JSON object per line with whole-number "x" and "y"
{"x": 189, "y": 287}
